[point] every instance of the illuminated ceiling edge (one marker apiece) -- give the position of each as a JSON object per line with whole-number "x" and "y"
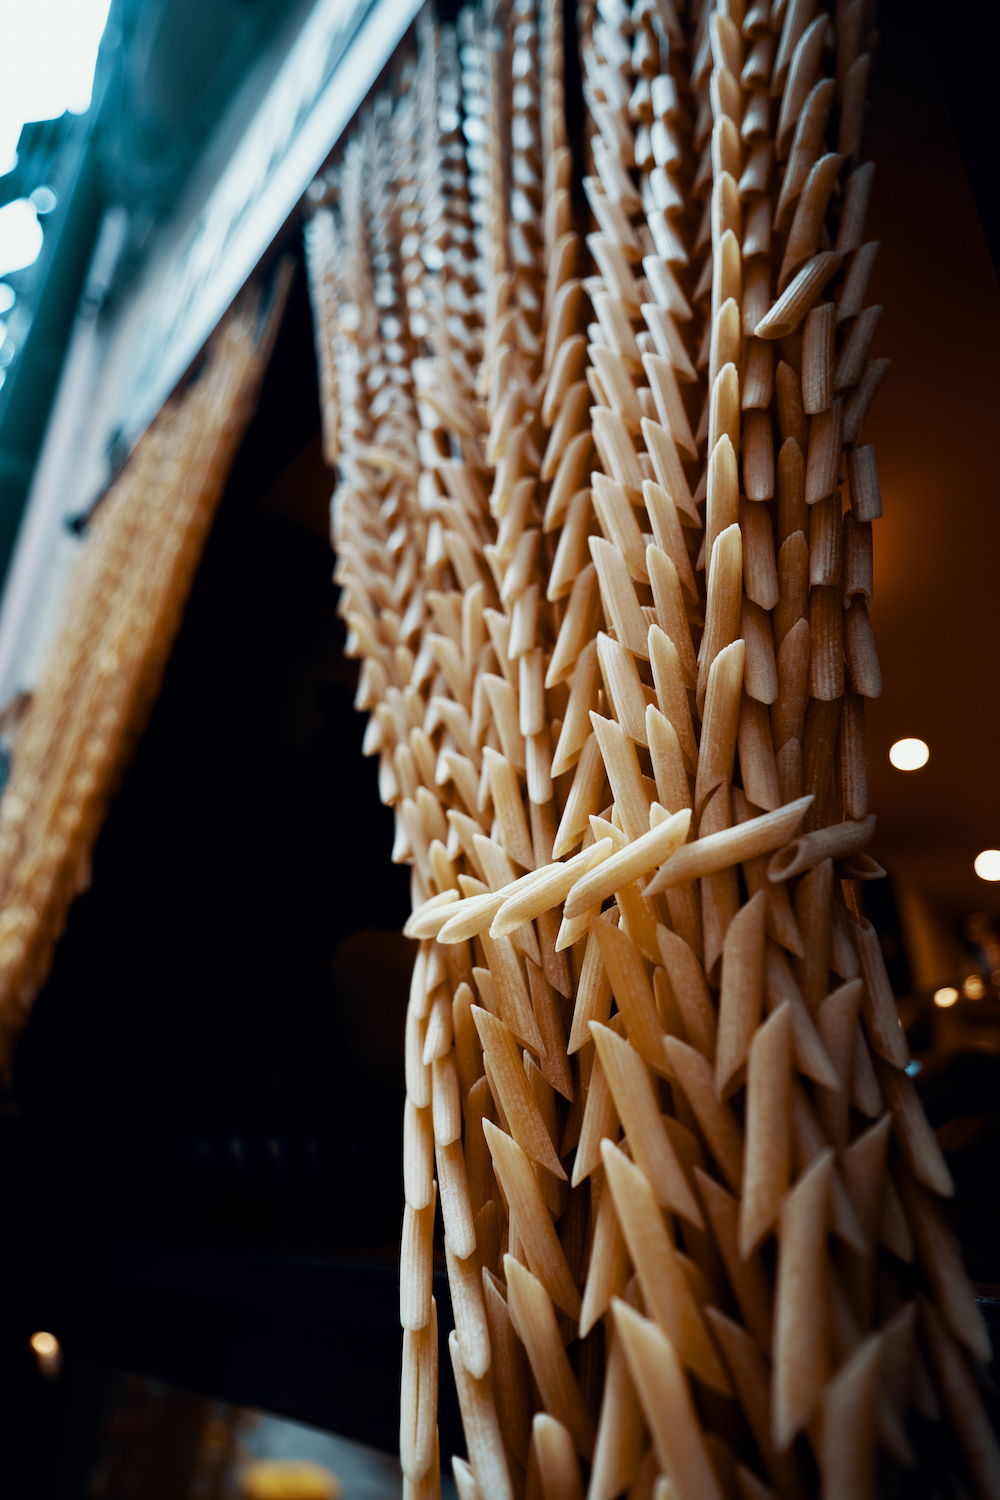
{"x": 366, "y": 54}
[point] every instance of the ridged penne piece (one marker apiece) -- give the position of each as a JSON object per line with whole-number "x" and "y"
{"x": 606, "y": 556}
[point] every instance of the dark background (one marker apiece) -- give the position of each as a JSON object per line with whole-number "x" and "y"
{"x": 201, "y": 1149}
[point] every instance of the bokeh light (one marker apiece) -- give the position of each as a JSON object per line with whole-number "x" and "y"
{"x": 946, "y": 996}
{"x": 909, "y": 755}
{"x": 48, "y": 1353}
{"x": 987, "y": 864}
{"x": 20, "y": 235}
{"x": 44, "y": 200}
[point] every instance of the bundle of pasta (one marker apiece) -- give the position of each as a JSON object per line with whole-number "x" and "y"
{"x": 655, "y": 1075}
{"x": 107, "y": 660}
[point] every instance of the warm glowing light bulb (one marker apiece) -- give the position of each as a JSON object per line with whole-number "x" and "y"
{"x": 946, "y": 996}
{"x": 987, "y": 864}
{"x": 290, "y": 1479}
{"x": 909, "y": 755}
{"x": 45, "y": 1347}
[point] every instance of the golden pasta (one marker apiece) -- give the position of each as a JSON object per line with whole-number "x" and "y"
{"x": 124, "y": 609}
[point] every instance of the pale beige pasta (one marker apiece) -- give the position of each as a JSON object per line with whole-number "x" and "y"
{"x": 603, "y": 528}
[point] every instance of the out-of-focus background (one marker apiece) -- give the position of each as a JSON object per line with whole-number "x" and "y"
{"x": 199, "y": 1152}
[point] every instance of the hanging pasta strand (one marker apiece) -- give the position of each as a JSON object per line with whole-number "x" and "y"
{"x": 603, "y": 533}
{"x": 106, "y": 662}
